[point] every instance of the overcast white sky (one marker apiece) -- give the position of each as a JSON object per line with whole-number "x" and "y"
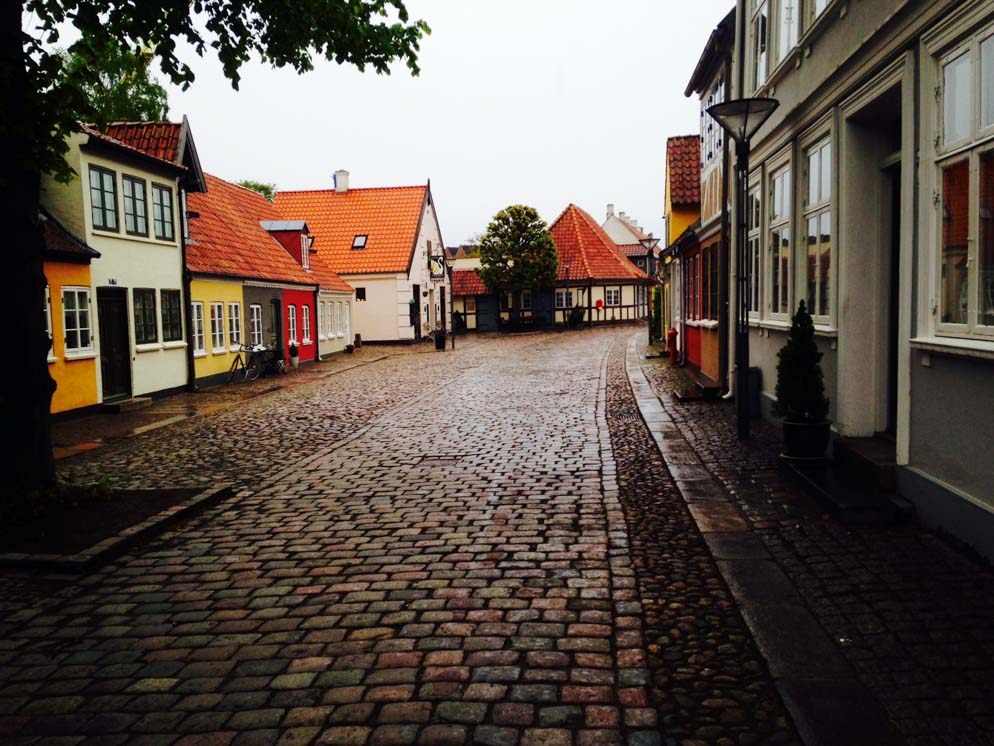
{"x": 538, "y": 102}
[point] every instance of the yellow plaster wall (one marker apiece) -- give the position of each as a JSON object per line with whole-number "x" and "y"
{"x": 75, "y": 379}
{"x": 680, "y": 220}
{"x": 216, "y": 291}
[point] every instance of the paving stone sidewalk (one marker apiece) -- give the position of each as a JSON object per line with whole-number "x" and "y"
{"x": 912, "y": 616}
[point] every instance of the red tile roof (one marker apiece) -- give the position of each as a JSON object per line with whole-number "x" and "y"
{"x": 467, "y": 282}
{"x": 157, "y": 139}
{"x": 633, "y": 249}
{"x": 61, "y": 244}
{"x": 327, "y": 279}
{"x": 228, "y": 240}
{"x": 388, "y": 216}
{"x": 683, "y": 162}
{"x": 93, "y": 132}
{"x": 586, "y": 252}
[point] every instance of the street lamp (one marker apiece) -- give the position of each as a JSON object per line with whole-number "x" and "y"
{"x": 649, "y": 244}
{"x": 741, "y": 119}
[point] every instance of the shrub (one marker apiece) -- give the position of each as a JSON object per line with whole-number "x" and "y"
{"x": 800, "y": 384}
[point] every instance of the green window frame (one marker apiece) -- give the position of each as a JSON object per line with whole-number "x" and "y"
{"x": 103, "y": 199}
{"x": 163, "y": 218}
{"x": 172, "y": 316}
{"x": 135, "y": 206}
{"x": 146, "y": 323}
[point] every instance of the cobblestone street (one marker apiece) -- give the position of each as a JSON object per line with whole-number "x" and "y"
{"x": 482, "y": 546}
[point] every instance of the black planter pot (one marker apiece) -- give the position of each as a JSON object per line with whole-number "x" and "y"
{"x": 805, "y": 440}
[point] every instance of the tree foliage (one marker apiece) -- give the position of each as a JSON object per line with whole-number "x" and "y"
{"x": 287, "y": 33}
{"x": 517, "y": 251}
{"x": 123, "y": 89}
{"x": 800, "y": 385}
{"x": 266, "y": 190}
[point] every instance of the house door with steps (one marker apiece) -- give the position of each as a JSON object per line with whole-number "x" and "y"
{"x": 115, "y": 347}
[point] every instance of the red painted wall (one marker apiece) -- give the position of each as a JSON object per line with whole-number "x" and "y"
{"x": 694, "y": 345}
{"x": 300, "y": 298}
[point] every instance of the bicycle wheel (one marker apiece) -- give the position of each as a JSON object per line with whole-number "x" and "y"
{"x": 253, "y": 369}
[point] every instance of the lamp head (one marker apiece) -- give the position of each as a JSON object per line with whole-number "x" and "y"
{"x": 742, "y": 117}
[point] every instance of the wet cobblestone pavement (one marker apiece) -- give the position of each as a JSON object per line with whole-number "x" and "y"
{"x": 913, "y": 616}
{"x": 479, "y": 547}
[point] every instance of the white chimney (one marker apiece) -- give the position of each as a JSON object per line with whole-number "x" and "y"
{"x": 341, "y": 180}
{"x": 623, "y": 216}
{"x": 610, "y": 210}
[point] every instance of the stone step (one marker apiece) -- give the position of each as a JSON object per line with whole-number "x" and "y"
{"x": 127, "y": 405}
{"x": 848, "y": 498}
{"x": 872, "y": 461}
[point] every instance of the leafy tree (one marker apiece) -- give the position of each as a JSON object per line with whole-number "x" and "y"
{"x": 123, "y": 89}
{"x": 266, "y": 190}
{"x": 44, "y": 100}
{"x": 517, "y": 253}
{"x": 800, "y": 385}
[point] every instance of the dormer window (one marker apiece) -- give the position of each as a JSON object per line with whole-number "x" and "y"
{"x": 305, "y": 250}
{"x": 359, "y": 242}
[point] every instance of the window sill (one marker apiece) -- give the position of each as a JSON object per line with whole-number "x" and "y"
{"x": 89, "y": 355}
{"x": 52, "y": 360}
{"x": 774, "y": 324}
{"x": 200, "y": 353}
{"x": 340, "y": 336}
{"x": 219, "y": 351}
{"x": 148, "y": 347}
{"x": 235, "y": 348}
{"x": 307, "y": 342}
{"x": 322, "y": 338}
{"x": 971, "y": 348}
{"x": 178, "y": 344}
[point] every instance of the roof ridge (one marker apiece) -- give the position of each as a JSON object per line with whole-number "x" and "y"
{"x": 574, "y": 212}
{"x": 352, "y": 189}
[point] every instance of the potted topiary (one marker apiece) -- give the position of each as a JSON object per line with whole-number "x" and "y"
{"x": 801, "y": 402}
{"x": 294, "y": 355}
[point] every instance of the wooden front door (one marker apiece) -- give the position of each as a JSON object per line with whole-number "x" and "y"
{"x": 115, "y": 347}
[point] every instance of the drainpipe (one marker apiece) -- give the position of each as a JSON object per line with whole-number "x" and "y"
{"x": 191, "y": 371}
{"x": 725, "y": 255}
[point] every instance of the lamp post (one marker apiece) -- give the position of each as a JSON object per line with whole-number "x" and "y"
{"x": 741, "y": 119}
{"x": 649, "y": 244}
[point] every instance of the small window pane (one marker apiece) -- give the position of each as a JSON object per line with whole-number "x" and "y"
{"x": 956, "y": 99}
{"x": 789, "y": 17}
{"x": 825, "y": 263}
{"x": 987, "y": 82}
{"x": 955, "y": 234}
{"x": 986, "y": 253}
{"x": 814, "y": 176}
{"x": 826, "y": 172}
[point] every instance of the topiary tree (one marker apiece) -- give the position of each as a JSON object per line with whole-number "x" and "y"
{"x": 517, "y": 252}
{"x": 800, "y": 385}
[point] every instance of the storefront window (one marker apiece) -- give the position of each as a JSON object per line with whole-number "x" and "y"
{"x": 955, "y": 234}
{"x": 987, "y": 82}
{"x": 780, "y": 244}
{"x": 986, "y": 258}
{"x": 956, "y": 99}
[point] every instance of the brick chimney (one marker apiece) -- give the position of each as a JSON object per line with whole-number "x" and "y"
{"x": 341, "y": 180}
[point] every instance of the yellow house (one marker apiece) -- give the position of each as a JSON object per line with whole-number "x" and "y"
{"x": 682, "y": 213}
{"x": 69, "y": 318}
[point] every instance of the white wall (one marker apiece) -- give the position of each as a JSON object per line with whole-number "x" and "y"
{"x": 335, "y": 330}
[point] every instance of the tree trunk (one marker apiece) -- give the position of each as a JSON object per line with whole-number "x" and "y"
{"x": 26, "y": 462}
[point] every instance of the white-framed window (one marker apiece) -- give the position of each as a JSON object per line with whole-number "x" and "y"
{"x": 788, "y": 27}
{"x": 234, "y": 325}
{"x": 217, "y": 328}
{"x": 305, "y": 320}
{"x": 526, "y": 300}
{"x": 754, "y": 244}
{"x": 612, "y": 296}
{"x": 779, "y": 244}
{"x": 291, "y": 315}
{"x": 76, "y": 321}
{"x": 162, "y": 212}
{"x": 760, "y": 42}
{"x": 255, "y": 324}
{"x": 712, "y": 135}
{"x": 339, "y": 326}
{"x": 564, "y": 298}
{"x": 322, "y": 334}
{"x": 197, "y": 317}
{"x": 305, "y": 250}
{"x": 348, "y": 323}
{"x": 818, "y": 230}
{"x": 48, "y": 322}
{"x": 964, "y": 174}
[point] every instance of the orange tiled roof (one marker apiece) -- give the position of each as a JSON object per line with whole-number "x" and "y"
{"x": 683, "y": 160}
{"x": 586, "y": 252}
{"x": 634, "y": 249}
{"x": 157, "y": 139}
{"x": 388, "y": 216}
{"x": 327, "y": 279}
{"x": 228, "y": 240}
{"x": 467, "y": 282}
